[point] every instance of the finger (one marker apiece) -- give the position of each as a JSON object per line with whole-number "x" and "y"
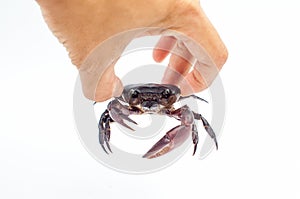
{"x": 176, "y": 70}
{"x": 206, "y": 46}
{"x": 198, "y": 79}
{"x": 108, "y": 86}
{"x": 180, "y": 63}
{"x": 192, "y": 83}
{"x": 210, "y": 47}
{"x": 163, "y": 48}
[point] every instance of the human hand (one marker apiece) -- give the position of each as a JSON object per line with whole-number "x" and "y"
{"x": 82, "y": 25}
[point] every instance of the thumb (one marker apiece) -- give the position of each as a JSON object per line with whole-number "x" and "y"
{"x": 108, "y": 86}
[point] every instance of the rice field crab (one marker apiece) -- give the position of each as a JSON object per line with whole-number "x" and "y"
{"x": 153, "y": 99}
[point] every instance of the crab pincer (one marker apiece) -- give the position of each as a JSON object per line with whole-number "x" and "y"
{"x": 176, "y": 136}
{"x": 119, "y": 117}
{"x": 173, "y": 139}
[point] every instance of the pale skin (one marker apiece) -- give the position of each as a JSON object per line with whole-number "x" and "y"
{"x": 81, "y": 25}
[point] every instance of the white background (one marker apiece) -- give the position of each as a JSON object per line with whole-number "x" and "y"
{"x": 40, "y": 152}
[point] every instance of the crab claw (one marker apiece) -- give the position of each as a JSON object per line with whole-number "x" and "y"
{"x": 173, "y": 139}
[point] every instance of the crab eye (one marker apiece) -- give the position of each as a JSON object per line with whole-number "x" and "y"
{"x": 134, "y": 94}
{"x": 166, "y": 93}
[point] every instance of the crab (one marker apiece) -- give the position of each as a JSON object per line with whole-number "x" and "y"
{"x": 153, "y": 99}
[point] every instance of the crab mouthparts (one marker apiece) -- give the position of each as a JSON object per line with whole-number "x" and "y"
{"x": 151, "y": 106}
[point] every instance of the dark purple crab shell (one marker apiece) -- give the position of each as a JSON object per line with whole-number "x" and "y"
{"x": 163, "y": 94}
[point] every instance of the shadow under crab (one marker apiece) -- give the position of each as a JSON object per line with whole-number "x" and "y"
{"x": 153, "y": 99}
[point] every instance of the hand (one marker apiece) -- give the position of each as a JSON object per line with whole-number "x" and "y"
{"x": 83, "y": 24}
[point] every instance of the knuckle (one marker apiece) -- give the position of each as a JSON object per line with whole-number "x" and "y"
{"x": 198, "y": 81}
{"x": 222, "y": 57}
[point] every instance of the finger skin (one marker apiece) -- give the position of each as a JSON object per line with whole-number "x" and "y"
{"x": 200, "y": 31}
{"x": 193, "y": 83}
{"x": 81, "y": 25}
{"x": 180, "y": 63}
{"x": 109, "y": 85}
{"x": 163, "y": 48}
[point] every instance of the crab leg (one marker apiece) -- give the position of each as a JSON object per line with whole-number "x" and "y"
{"x": 176, "y": 136}
{"x": 116, "y": 112}
{"x": 119, "y": 117}
{"x": 195, "y": 137}
{"x": 207, "y": 127}
{"x": 120, "y": 112}
{"x": 104, "y": 130}
{"x": 193, "y": 96}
